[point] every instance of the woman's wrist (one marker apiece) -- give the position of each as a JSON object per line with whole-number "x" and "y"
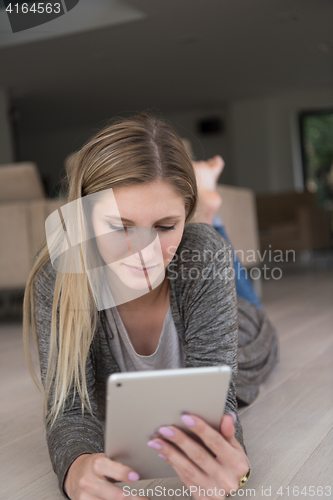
{"x": 71, "y": 472}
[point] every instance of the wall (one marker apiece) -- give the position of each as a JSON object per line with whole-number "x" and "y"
{"x": 49, "y": 148}
{"x": 248, "y": 121}
{"x": 259, "y": 145}
{"x": 6, "y": 144}
{"x": 264, "y": 140}
{"x": 205, "y": 146}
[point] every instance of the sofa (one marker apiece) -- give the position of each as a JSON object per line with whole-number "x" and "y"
{"x": 239, "y": 215}
{"x": 292, "y": 221}
{"x": 23, "y": 210}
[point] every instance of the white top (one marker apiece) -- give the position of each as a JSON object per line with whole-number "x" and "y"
{"x": 169, "y": 352}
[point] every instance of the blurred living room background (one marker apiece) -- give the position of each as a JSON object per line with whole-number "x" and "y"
{"x": 249, "y": 80}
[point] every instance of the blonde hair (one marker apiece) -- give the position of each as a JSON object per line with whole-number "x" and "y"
{"x": 126, "y": 152}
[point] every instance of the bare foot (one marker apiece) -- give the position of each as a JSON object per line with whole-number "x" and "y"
{"x": 207, "y": 174}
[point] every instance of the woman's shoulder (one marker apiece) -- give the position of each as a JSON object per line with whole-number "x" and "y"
{"x": 203, "y": 258}
{"x": 203, "y": 239}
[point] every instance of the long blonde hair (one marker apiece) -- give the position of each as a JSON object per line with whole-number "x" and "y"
{"x": 126, "y": 152}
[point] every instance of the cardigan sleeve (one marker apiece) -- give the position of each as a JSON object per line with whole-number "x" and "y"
{"x": 205, "y": 284}
{"x": 73, "y": 433}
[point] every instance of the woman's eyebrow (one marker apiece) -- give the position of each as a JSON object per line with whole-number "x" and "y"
{"x": 164, "y": 219}
{"x": 169, "y": 217}
{"x": 114, "y": 217}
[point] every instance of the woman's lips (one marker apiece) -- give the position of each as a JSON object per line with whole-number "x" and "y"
{"x": 140, "y": 271}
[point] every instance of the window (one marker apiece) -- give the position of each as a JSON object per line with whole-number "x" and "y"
{"x": 316, "y": 128}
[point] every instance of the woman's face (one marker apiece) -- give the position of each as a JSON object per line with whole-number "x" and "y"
{"x": 153, "y": 205}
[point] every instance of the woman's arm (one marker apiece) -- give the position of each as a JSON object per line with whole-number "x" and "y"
{"x": 203, "y": 284}
{"x": 72, "y": 434}
{"x": 75, "y": 441}
{"x": 206, "y": 294}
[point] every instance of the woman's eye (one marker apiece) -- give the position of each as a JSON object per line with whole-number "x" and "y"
{"x": 166, "y": 228}
{"x": 123, "y": 228}
{"x": 117, "y": 228}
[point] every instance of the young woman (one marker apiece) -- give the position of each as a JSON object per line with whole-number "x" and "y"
{"x": 189, "y": 319}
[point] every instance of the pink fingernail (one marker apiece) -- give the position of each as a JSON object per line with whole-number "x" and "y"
{"x": 155, "y": 445}
{"x": 166, "y": 431}
{"x": 133, "y": 476}
{"x": 162, "y": 456}
{"x": 187, "y": 420}
{"x": 234, "y": 416}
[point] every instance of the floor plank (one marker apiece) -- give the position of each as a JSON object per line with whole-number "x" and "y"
{"x": 321, "y": 461}
{"x": 296, "y": 351}
{"x": 284, "y": 428}
{"x": 23, "y": 461}
{"x": 43, "y": 488}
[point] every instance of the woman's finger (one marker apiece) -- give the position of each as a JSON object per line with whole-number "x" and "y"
{"x": 209, "y": 436}
{"x": 227, "y": 429}
{"x": 186, "y": 469}
{"x": 96, "y": 480}
{"x": 104, "y": 466}
{"x": 193, "y": 450}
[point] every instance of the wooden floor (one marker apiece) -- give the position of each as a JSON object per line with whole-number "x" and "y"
{"x": 288, "y": 429}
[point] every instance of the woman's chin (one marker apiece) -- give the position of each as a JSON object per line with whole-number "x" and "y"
{"x": 135, "y": 284}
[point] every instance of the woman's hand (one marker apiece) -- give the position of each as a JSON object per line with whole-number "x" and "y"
{"x": 90, "y": 478}
{"x": 198, "y": 468}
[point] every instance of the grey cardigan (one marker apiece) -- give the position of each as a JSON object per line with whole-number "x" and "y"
{"x": 205, "y": 312}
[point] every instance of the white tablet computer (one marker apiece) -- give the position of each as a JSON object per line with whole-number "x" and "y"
{"x": 139, "y": 403}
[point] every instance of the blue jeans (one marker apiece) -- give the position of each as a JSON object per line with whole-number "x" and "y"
{"x": 243, "y": 284}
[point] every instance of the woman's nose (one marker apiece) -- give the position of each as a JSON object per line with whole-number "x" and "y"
{"x": 148, "y": 254}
